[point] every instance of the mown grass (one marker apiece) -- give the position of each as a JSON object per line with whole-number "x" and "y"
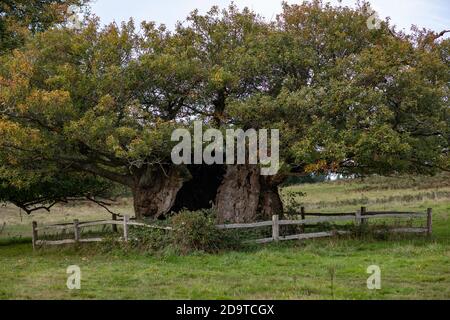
{"x": 413, "y": 267}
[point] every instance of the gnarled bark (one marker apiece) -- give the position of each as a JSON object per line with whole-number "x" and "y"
{"x": 238, "y": 197}
{"x": 270, "y": 201}
{"x": 238, "y": 193}
{"x": 155, "y": 191}
{"x": 246, "y": 196}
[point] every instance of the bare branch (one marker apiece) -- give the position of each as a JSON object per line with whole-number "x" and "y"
{"x": 102, "y": 204}
{"x": 441, "y": 34}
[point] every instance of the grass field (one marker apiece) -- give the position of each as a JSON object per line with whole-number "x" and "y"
{"x": 413, "y": 267}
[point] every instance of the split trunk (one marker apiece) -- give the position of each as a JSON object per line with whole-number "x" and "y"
{"x": 238, "y": 193}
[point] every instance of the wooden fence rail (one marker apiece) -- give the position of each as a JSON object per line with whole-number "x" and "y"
{"x": 76, "y": 226}
{"x": 359, "y": 218}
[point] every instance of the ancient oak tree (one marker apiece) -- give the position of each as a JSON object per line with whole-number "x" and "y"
{"x": 105, "y": 101}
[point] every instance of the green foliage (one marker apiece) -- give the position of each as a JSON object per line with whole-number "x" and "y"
{"x": 196, "y": 231}
{"x": 150, "y": 240}
{"x": 43, "y": 191}
{"x": 355, "y": 100}
{"x": 192, "y": 232}
{"x": 19, "y": 18}
{"x": 292, "y": 201}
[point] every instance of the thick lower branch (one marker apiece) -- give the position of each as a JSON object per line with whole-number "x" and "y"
{"x": 113, "y": 176}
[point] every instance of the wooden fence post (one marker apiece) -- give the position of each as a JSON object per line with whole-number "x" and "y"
{"x": 358, "y": 219}
{"x": 429, "y": 221}
{"x": 76, "y": 231}
{"x": 363, "y": 213}
{"x": 34, "y": 234}
{"x": 125, "y": 228}
{"x": 114, "y": 226}
{"x": 303, "y": 213}
{"x": 275, "y": 228}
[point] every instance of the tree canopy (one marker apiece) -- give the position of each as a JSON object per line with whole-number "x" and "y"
{"x": 347, "y": 99}
{"x": 20, "y": 18}
{"x": 40, "y": 189}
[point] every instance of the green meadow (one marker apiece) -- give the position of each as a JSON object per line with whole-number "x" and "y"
{"x": 412, "y": 266}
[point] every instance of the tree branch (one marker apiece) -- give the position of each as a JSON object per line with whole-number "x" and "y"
{"x": 113, "y": 176}
{"x": 441, "y": 34}
{"x": 102, "y": 204}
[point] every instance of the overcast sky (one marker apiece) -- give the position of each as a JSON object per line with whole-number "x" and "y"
{"x": 432, "y": 14}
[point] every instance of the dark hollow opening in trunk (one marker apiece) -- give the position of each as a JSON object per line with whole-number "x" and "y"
{"x": 200, "y": 192}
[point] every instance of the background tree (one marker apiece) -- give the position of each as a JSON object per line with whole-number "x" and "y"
{"x": 104, "y": 101}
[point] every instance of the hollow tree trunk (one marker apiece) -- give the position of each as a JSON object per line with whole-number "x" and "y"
{"x": 155, "y": 191}
{"x": 240, "y": 193}
{"x": 200, "y": 191}
{"x": 246, "y": 196}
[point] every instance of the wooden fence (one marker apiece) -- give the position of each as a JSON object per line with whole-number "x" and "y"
{"x": 359, "y": 218}
{"x": 77, "y": 226}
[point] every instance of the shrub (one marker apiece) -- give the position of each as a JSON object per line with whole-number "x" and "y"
{"x": 110, "y": 243}
{"x": 196, "y": 231}
{"x": 192, "y": 231}
{"x": 149, "y": 240}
